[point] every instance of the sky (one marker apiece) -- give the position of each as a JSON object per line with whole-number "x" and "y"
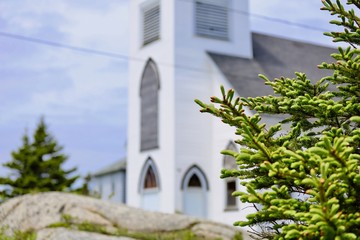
{"x": 67, "y": 61}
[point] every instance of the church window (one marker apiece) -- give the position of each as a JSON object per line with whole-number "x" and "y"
{"x": 230, "y": 188}
{"x": 212, "y": 18}
{"x": 230, "y": 183}
{"x": 151, "y": 21}
{"x": 149, "y": 178}
{"x": 150, "y": 85}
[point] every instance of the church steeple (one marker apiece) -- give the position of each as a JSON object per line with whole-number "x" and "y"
{"x": 211, "y": 25}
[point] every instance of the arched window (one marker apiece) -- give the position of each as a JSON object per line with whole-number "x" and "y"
{"x": 149, "y": 177}
{"x": 230, "y": 183}
{"x": 149, "y": 89}
{"x": 149, "y": 186}
{"x": 195, "y": 187}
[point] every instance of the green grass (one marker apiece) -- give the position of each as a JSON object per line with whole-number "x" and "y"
{"x": 184, "y": 234}
{"x": 17, "y": 235}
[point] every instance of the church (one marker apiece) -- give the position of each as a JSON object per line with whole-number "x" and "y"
{"x": 184, "y": 50}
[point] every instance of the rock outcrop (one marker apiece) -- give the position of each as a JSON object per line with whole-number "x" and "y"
{"x": 61, "y": 216}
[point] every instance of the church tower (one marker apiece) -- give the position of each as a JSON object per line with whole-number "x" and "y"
{"x": 173, "y": 160}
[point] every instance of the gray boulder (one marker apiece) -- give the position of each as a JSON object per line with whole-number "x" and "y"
{"x": 56, "y": 216}
{"x": 69, "y": 234}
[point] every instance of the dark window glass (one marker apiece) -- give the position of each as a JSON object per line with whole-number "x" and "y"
{"x": 150, "y": 179}
{"x": 230, "y": 188}
{"x": 194, "y": 181}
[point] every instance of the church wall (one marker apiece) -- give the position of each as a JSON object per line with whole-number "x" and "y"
{"x": 193, "y": 130}
{"x": 161, "y": 51}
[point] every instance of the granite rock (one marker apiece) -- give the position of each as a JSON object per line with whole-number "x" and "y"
{"x": 46, "y": 214}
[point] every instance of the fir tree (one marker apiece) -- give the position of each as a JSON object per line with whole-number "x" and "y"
{"x": 304, "y": 183}
{"x": 37, "y": 166}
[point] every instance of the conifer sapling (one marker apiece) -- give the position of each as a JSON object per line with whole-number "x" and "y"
{"x": 305, "y": 182}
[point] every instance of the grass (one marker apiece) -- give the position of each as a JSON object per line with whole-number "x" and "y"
{"x": 184, "y": 234}
{"x": 17, "y": 235}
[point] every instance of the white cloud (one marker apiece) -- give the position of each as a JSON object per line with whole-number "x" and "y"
{"x": 106, "y": 30}
{"x": 92, "y": 88}
{"x": 82, "y": 95}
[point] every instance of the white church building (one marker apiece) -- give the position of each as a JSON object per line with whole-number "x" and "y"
{"x": 186, "y": 50}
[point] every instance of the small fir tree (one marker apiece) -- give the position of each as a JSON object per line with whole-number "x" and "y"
{"x": 304, "y": 183}
{"x": 37, "y": 166}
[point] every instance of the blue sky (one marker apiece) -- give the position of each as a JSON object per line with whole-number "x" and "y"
{"x": 82, "y": 95}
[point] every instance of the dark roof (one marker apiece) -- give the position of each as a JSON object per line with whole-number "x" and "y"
{"x": 115, "y": 167}
{"x": 274, "y": 57}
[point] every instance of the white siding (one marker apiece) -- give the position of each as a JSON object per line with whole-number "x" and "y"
{"x": 111, "y": 186}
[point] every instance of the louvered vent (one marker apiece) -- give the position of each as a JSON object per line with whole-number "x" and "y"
{"x": 212, "y": 18}
{"x": 151, "y": 24}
